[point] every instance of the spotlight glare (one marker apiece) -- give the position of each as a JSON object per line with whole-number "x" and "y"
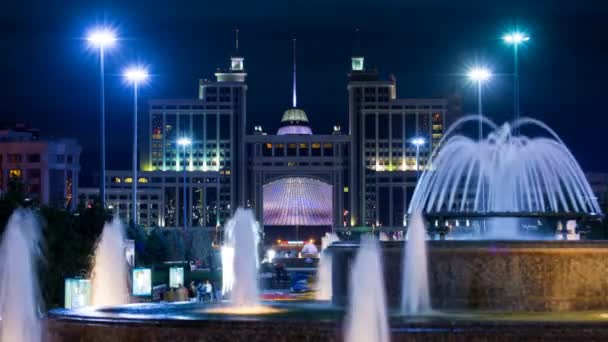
{"x": 102, "y": 37}
{"x": 136, "y": 74}
{"x": 479, "y": 74}
{"x": 184, "y": 141}
{"x": 515, "y": 38}
{"x": 418, "y": 141}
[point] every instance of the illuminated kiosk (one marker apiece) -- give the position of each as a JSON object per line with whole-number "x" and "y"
{"x": 142, "y": 282}
{"x": 77, "y": 293}
{"x": 176, "y": 277}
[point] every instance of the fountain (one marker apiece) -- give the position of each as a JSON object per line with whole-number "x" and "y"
{"x": 240, "y": 260}
{"x": 500, "y": 182}
{"x": 366, "y": 318}
{"x": 109, "y": 275}
{"x": 19, "y": 291}
{"x": 503, "y": 178}
{"x": 324, "y": 269}
{"x": 473, "y": 286}
{"x": 415, "y": 295}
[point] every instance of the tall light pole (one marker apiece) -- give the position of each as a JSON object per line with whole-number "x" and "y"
{"x": 135, "y": 75}
{"x": 185, "y": 142}
{"x": 515, "y": 38}
{"x": 479, "y": 75}
{"x": 102, "y": 38}
{"x": 419, "y": 141}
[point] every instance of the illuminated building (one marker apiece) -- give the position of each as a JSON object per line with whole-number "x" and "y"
{"x": 301, "y": 177}
{"x": 383, "y": 163}
{"x": 599, "y": 184}
{"x": 159, "y": 197}
{"x": 215, "y": 122}
{"x": 48, "y": 169}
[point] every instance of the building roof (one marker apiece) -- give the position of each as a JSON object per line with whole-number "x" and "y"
{"x": 294, "y": 121}
{"x": 294, "y": 115}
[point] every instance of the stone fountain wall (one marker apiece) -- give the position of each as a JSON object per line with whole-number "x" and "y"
{"x": 497, "y": 275}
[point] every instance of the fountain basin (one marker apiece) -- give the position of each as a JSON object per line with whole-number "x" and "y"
{"x": 308, "y": 321}
{"x": 495, "y": 275}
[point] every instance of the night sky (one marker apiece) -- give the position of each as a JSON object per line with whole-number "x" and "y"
{"x": 50, "y": 80}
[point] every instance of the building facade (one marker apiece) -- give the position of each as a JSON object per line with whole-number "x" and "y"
{"x": 48, "y": 169}
{"x": 383, "y": 164}
{"x": 293, "y": 178}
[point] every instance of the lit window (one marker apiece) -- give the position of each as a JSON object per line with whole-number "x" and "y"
{"x": 142, "y": 180}
{"x": 14, "y": 173}
{"x": 345, "y": 189}
{"x": 116, "y": 180}
{"x": 316, "y": 145}
{"x": 128, "y": 179}
{"x": 292, "y": 163}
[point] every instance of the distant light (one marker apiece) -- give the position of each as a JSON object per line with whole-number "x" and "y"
{"x": 418, "y": 141}
{"x": 271, "y": 253}
{"x": 136, "y": 74}
{"x": 102, "y": 37}
{"x": 184, "y": 141}
{"x": 479, "y": 74}
{"x": 515, "y": 38}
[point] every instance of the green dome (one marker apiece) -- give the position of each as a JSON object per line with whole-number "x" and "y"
{"x": 294, "y": 115}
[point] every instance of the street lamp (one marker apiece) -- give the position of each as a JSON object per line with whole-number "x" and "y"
{"x": 102, "y": 38}
{"x": 515, "y": 38}
{"x": 185, "y": 142}
{"x": 479, "y": 75}
{"x": 135, "y": 75}
{"x": 419, "y": 141}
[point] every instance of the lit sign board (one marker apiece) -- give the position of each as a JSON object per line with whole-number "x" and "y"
{"x": 77, "y": 293}
{"x": 142, "y": 282}
{"x": 176, "y": 277}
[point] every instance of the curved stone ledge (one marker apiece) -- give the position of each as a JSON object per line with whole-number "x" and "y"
{"x": 496, "y": 275}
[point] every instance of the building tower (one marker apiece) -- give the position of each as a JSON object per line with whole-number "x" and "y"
{"x": 294, "y": 120}
{"x": 365, "y": 90}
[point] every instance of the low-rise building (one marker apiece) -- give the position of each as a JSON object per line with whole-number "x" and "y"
{"x": 48, "y": 169}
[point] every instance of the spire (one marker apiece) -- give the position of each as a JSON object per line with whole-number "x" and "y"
{"x": 357, "y": 42}
{"x": 236, "y": 62}
{"x": 357, "y": 60}
{"x": 237, "y": 41}
{"x": 295, "y": 97}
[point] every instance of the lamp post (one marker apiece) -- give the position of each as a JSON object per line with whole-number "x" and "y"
{"x": 515, "y": 38}
{"x": 185, "y": 142}
{"x": 479, "y": 75}
{"x": 419, "y": 141}
{"x": 135, "y": 75}
{"x": 102, "y": 38}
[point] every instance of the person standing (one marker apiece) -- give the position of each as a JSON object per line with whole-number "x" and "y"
{"x": 200, "y": 292}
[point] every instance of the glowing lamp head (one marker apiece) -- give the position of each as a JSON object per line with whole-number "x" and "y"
{"x": 102, "y": 37}
{"x": 418, "y": 141}
{"x": 479, "y": 74}
{"x": 515, "y": 38}
{"x": 184, "y": 141}
{"x": 136, "y": 74}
